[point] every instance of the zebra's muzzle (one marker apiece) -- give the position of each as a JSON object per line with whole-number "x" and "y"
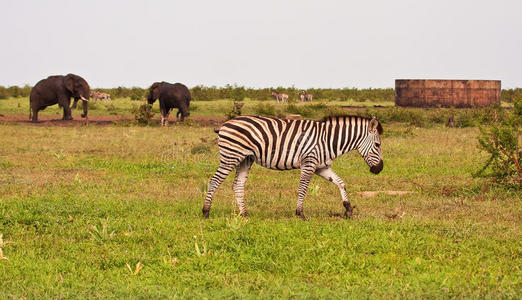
{"x": 377, "y": 168}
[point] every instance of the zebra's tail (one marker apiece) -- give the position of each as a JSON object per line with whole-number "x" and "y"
{"x": 216, "y": 130}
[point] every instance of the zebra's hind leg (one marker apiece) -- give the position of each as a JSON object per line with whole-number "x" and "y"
{"x": 239, "y": 183}
{"x": 222, "y": 172}
{"x": 328, "y": 174}
{"x": 307, "y": 171}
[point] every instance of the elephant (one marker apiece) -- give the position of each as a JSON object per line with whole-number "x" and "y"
{"x": 59, "y": 89}
{"x": 170, "y": 96}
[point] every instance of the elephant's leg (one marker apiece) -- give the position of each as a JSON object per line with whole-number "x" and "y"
{"x": 65, "y": 103}
{"x": 162, "y": 111}
{"x": 167, "y": 117}
{"x": 35, "y": 114}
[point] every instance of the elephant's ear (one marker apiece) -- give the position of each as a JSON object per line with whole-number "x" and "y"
{"x": 155, "y": 89}
{"x": 154, "y": 86}
{"x": 68, "y": 82}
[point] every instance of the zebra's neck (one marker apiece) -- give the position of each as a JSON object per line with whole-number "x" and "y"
{"x": 344, "y": 133}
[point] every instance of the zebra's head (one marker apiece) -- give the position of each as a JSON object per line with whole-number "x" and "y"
{"x": 370, "y": 147}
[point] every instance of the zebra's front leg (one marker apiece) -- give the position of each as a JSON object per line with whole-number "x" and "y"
{"x": 239, "y": 183}
{"x": 307, "y": 171}
{"x": 328, "y": 174}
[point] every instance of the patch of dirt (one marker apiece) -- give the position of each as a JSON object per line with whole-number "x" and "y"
{"x": 369, "y": 194}
{"x": 206, "y": 121}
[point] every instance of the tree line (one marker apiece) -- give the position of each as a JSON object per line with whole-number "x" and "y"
{"x": 235, "y": 92}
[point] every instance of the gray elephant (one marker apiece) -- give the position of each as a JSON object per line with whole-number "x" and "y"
{"x": 59, "y": 89}
{"x": 170, "y": 96}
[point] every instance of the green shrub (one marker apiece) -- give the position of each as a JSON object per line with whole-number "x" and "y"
{"x": 501, "y": 142}
{"x": 518, "y": 108}
{"x": 511, "y": 95}
{"x": 303, "y": 110}
{"x": 143, "y": 114}
{"x": 465, "y": 119}
{"x": 200, "y": 149}
{"x": 3, "y": 93}
{"x": 266, "y": 109}
{"x": 111, "y": 109}
{"x": 317, "y": 106}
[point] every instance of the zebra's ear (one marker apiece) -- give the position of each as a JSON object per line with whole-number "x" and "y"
{"x": 375, "y": 125}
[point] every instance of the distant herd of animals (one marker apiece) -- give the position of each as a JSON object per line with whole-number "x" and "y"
{"x": 59, "y": 89}
{"x": 274, "y": 143}
{"x": 282, "y": 97}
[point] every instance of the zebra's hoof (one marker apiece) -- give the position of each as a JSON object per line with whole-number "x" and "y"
{"x": 300, "y": 214}
{"x": 205, "y": 213}
{"x": 244, "y": 214}
{"x": 349, "y": 210}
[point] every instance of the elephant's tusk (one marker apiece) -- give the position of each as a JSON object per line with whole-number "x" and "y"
{"x": 81, "y": 97}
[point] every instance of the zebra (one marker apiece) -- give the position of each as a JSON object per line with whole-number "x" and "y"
{"x": 308, "y": 96}
{"x": 301, "y": 96}
{"x": 280, "y": 97}
{"x": 95, "y": 95}
{"x": 283, "y": 144}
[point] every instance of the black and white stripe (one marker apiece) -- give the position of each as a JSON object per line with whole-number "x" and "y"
{"x": 282, "y": 144}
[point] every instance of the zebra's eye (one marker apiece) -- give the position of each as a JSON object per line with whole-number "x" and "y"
{"x": 377, "y": 145}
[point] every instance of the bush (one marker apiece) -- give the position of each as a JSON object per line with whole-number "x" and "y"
{"x": 3, "y": 93}
{"x": 111, "y": 109}
{"x": 303, "y": 110}
{"x": 511, "y": 95}
{"x": 200, "y": 149}
{"x": 266, "y": 109}
{"x": 501, "y": 141}
{"x": 143, "y": 114}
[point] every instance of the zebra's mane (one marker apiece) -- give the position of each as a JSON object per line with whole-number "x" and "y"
{"x": 329, "y": 118}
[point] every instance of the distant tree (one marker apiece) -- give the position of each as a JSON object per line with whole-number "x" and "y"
{"x": 3, "y": 93}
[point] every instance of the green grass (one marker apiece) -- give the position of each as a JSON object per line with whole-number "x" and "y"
{"x": 80, "y": 207}
{"x": 221, "y": 109}
{"x": 124, "y": 107}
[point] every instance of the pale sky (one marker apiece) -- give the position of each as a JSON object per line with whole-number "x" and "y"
{"x": 265, "y": 43}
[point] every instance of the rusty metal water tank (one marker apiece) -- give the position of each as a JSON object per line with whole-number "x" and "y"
{"x": 446, "y": 93}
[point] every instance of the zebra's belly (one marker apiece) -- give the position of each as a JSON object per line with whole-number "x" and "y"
{"x": 279, "y": 165}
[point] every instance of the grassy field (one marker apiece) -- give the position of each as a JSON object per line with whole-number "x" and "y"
{"x": 125, "y": 107}
{"x": 110, "y": 211}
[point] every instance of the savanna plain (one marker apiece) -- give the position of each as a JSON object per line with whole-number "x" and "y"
{"x": 93, "y": 211}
